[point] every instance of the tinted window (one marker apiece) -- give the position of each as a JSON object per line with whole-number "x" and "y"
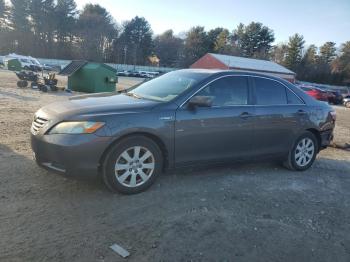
{"x": 227, "y": 91}
{"x": 269, "y": 92}
{"x": 292, "y": 98}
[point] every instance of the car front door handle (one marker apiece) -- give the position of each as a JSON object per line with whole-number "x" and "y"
{"x": 245, "y": 115}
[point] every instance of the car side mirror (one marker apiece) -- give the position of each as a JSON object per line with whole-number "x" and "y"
{"x": 200, "y": 101}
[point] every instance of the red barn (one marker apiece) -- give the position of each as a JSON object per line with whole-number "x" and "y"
{"x": 216, "y": 61}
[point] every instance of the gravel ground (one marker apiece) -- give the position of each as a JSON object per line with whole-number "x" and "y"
{"x": 243, "y": 212}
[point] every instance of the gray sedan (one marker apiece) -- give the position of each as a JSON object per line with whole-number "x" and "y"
{"x": 186, "y": 117}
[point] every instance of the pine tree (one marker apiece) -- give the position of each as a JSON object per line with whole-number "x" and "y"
{"x": 5, "y": 40}
{"x": 278, "y": 53}
{"x": 4, "y": 13}
{"x": 254, "y": 40}
{"x": 20, "y": 14}
{"x": 96, "y": 32}
{"x": 327, "y": 52}
{"x": 310, "y": 56}
{"x": 43, "y": 23}
{"x": 66, "y": 11}
{"x": 21, "y": 36}
{"x": 221, "y": 44}
{"x": 65, "y": 15}
{"x": 2, "y": 9}
{"x": 168, "y": 47}
{"x": 196, "y": 45}
{"x": 308, "y": 65}
{"x": 212, "y": 37}
{"x": 136, "y": 38}
{"x": 341, "y": 64}
{"x": 294, "y": 52}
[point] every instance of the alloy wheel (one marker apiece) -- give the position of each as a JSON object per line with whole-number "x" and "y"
{"x": 304, "y": 152}
{"x": 134, "y": 166}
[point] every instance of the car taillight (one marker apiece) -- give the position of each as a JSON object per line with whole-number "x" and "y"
{"x": 333, "y": 115}
{"x": 312, "y": 93}
{"x": 317, "y": 94}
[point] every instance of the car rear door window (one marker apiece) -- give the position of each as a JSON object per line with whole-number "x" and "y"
{"x": 227, "y": 91}
{"x": 269, "y": 92}
{"x": 293, "y": 98}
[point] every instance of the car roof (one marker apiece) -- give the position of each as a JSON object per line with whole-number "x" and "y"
{"x": 222, "y": 72}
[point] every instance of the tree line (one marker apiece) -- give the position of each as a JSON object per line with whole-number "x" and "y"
{"x": 57, "y": 29}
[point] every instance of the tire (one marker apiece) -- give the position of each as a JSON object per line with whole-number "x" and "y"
{"x": 126, "y": 176}
{"x": 22, "y": 83}
{"x": 40, "y": 86}
{"x": 44, "y": 88}
{"x": 294, "y": 160}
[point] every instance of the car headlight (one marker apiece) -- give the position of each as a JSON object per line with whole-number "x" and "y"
{"x": 83, "y": 127}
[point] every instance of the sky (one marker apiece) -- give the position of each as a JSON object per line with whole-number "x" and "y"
{"x": 317, "y": 20}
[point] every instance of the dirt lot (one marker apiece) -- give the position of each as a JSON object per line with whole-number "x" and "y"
{"x": 243, "y": 212}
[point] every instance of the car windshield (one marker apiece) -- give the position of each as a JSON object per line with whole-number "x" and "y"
{"x": 167, "y": 87}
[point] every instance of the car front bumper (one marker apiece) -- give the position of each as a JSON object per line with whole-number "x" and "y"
{"x": 69, "y": 153}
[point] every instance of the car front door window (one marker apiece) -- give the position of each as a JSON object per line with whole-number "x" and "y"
{"x": 227, "y": 91}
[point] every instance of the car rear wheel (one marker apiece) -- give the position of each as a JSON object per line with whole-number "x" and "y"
{"x": 303, "y": 153}
{"x": 132, "y": 165}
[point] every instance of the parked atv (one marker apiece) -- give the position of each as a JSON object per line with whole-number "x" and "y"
{"x": 24, "y": 77}
{"x": 42, "y": 83}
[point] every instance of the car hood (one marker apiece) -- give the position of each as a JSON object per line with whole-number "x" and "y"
{"x": 95, "y": 104}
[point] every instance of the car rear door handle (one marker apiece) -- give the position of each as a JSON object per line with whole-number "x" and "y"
{"x": 245, "y": 115}
{"x": 301, "y": 112}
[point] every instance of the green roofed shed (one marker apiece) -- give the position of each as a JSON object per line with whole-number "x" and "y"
{"x": 90, "y": 77}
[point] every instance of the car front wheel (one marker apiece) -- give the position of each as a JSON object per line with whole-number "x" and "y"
{"x": 132, "y": 165}
{"x": 303, "y": 153}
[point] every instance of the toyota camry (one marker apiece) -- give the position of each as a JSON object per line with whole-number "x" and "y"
{"x": 185, "y": 117}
